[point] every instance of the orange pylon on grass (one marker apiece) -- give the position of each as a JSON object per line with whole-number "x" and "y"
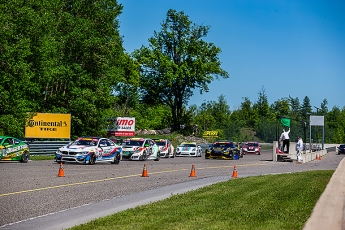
{"x": 192, "y": 172}
{"x": 61, "y": 171}
{"x": 144, "y": 174}
{"x": 234, "y": 173}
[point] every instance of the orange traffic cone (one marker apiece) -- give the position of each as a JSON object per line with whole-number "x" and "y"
{"x": 61, "y": 171}
{"x": 234, "y": 173}
{"x": 317, "y": 157}
{"x": 145, "y": 172}
{"x": 192, "y": 172}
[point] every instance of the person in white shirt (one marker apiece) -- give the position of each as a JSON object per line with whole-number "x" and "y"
{"x": 286, "y": 140}
{"x": 299, "y": 148}
{"x": 280, "y": 143}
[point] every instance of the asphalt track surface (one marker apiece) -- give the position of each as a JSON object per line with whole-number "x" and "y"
{"x": 32, "y": 196}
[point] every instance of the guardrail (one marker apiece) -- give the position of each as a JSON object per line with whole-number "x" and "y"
{"x": 45, "y": 147}
{"x": 331, "y": 149}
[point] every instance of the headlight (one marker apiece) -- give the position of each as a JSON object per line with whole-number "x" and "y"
{"x": 58, "y": 151}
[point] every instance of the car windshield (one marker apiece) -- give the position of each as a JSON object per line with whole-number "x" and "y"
{"x": 188, "y": 145}
{"x": 160, "y": 143}
{"x": 224, "y": 145}
{"x": 85, "y": 142}
{"x": 133, "y": 143}
{"x": 252, "y": 144}
{"x": 342, "y": 146}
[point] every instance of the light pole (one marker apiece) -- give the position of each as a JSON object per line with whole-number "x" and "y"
{"x": 317, "y": 129}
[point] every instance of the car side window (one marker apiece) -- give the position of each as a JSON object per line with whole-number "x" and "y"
{"x": 110, "y": 143}
{"x": 16, "y": 141}
{"x": 8, "y": 141}
{"x": 102, "y": 143}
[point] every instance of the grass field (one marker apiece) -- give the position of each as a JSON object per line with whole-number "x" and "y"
{"x": 283, "y": 201}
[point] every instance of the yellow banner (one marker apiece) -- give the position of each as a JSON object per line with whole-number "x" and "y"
{"x": 49, "y": 125}
{"x": 210, "y": 134}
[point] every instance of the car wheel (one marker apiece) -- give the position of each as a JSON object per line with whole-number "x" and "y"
{"x": 143, "y": 157}
{"x": 25, "y": 157}
{"x": 117, "y": 159}
{"x": 92, "y": 159}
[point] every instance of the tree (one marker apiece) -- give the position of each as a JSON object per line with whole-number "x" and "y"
{"x": 248, "y": 114}
{"x": 262, "y": 105}
{"x": 306, "y": 109}
{"x": 64, "y": 57}
{"x": 324, "y": 108}
{"x": 176, "y": 62}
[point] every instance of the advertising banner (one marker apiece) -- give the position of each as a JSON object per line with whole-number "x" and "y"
{"x": 210, "y": 134}
{"x": 121, "y": 126}
{"x": 49, "y": 125}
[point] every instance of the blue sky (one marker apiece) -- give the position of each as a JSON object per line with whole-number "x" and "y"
{"x": 286, "y": 48}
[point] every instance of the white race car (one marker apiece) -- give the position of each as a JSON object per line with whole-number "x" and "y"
{"x": 189, "y": 149}
{"x": 140, "y": 149}
{"x": 166, "y": 149}
{"x": 89, "y": 150}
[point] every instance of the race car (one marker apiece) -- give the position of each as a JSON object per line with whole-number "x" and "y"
{"x": 89, "y": 150}
{"x": 189, "y": 149}
{"x": 13, "y": 149}
{"x": 140, "y": 149}
{"x": 223, "y": 150}
{"x": 251, "y": 147}
{"x": 166, "y": 149}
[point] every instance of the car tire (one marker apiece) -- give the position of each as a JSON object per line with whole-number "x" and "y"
{"x": 143, "y": 157}
{"x": 117, "y": 159}
{"x": 25, "y": 157}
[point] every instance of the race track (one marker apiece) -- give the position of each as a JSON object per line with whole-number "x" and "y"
{"x": 34, "y": 189}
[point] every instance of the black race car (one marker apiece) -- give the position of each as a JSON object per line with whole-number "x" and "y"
{"x": 223, "y": 150}
{"x": 341, "y": 149}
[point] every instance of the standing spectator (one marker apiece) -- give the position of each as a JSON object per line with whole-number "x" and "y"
{"x": 286, "y": 140}
{"x": 299, "y": 148}
{"x": 280, "y": 143}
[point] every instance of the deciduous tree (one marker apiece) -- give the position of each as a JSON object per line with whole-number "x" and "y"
{"x": 176, "y": 62}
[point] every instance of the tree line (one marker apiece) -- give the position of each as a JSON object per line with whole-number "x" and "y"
{"x": 59, "y": 56}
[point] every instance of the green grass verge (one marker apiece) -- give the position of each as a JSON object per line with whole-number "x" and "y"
{"x": 42, "y": 157}
{"x": 283, "y": 201}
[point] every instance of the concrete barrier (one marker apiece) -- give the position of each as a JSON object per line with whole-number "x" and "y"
{"x": 307, "y": 155}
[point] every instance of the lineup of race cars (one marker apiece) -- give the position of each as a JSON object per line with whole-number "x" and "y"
{"x": 89, "y": 150}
